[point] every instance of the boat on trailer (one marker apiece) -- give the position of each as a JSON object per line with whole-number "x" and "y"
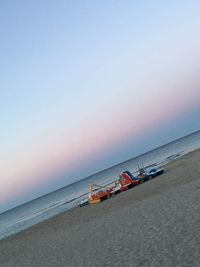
{"x": 127, "y": 180}
{"x": 98, "y": 196}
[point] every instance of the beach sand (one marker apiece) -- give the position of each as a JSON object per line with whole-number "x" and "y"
{"x": 154, "y": 224}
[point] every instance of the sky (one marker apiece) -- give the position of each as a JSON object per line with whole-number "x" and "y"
{"x": 88, "y": 84}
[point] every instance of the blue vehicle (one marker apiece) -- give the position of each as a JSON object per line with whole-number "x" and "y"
{"x": 145, "y": 175}
{"x": 155, "y": 172}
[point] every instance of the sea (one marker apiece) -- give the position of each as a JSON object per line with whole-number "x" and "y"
{"x": 54, "y": 203}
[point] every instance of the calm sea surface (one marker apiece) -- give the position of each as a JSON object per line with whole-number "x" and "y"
{"x": 40, "y": 209}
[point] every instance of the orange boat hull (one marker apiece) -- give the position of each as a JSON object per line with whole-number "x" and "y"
{"x": 99, "y": 196}
{"x": 94, "y": 201}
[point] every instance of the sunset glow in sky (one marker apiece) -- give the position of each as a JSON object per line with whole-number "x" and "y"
{"x": 83, "y": 83}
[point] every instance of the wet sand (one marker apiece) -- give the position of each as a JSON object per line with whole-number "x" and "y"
{"x": 154, "y": 224}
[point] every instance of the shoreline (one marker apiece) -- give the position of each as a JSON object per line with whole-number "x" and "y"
{"x": 110, "y": 167}
{"x": 77, "y": 206}
{"x": 167, "y": 161}
{"x": 153, "y": 224}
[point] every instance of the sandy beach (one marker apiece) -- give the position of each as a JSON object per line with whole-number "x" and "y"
{"x": 154, "y": 224}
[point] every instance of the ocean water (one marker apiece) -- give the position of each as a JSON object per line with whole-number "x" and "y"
{"x": 40, "y": 209}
